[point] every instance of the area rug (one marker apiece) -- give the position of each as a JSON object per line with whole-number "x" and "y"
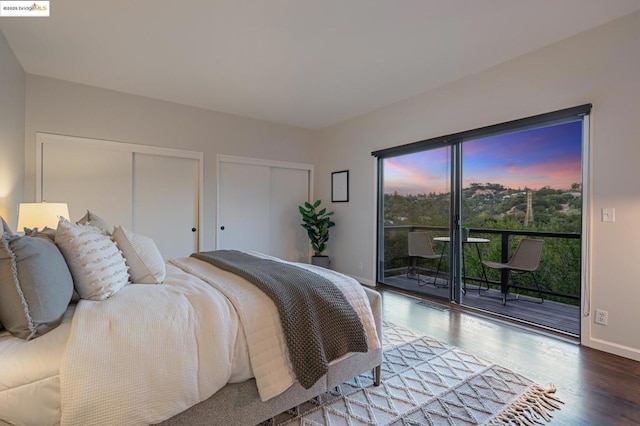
{"x": 427, "y": 382}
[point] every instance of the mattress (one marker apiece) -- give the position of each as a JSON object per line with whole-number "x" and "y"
{"x": 29, "y": 375}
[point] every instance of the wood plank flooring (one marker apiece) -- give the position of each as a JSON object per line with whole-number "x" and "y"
{"x": 597, "y": 388}
{"x": 552, "y": 315}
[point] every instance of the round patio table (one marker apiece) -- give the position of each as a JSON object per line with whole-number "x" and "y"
{"x": 470, "y": 240}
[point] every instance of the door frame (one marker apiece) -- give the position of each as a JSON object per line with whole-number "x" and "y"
{"x": 456, "y": 141}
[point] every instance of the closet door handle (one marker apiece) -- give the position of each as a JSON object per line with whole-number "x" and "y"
{"x": 194, "y": 229}
{"x": 222, "y": 228}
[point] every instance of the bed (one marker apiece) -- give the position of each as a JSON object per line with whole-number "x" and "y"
{"x": 204, "y": 347}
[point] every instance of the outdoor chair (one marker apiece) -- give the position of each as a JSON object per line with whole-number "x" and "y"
{"x": 420, "y": 247}
{"x": 526, "y": 259}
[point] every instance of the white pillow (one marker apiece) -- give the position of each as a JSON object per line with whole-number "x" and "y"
{"x": 90, "y": 218}
{"x": 146, "y": 265}
{"x": 96, "y": 264}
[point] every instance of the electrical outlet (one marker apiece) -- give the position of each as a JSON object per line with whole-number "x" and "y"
{"x": 601, "y": 317}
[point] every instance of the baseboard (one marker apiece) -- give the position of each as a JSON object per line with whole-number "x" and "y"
{"x": 613, "y": 348}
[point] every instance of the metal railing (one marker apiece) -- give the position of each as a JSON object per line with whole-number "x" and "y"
{"x": 561, "y": 269}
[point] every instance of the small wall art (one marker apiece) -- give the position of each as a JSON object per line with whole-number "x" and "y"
{"x": 340, "y": 186}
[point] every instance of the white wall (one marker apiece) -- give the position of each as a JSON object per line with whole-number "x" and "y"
{"x": 12, "y": 81}
{"x": 61, "y": 107}
{"x": 602, "y": 67}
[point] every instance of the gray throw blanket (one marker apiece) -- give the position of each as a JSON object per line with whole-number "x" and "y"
{"x": 318, "y": 322}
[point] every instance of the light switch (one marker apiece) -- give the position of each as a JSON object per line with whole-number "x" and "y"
{"x": 609, "y": 214}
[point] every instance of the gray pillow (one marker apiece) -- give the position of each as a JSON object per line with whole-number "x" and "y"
{"x": 35, "y": 285}
{"x": 46, "y": 232}
{"x": 5, "y": 227}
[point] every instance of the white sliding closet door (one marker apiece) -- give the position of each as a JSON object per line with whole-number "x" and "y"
{"x": 149, "y": 190}
{"x": 258, "y": 207}
{"x": 290, "y": 188}
{"x": 165, "y": 202}
{"x": 88, "y": 177}
{"x": 243, "y": 207}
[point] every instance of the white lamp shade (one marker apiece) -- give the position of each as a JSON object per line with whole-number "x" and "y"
{"x": 39, "y": 215}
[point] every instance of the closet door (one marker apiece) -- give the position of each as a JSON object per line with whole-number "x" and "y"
{"x": 289, "y": 189}
{"x": 149, "y": 190}
{"x": 243, "y": 207}
{"x": 88, "y": 177}
{"x": 165, "y": 202}
{"x": 258, "y": 207}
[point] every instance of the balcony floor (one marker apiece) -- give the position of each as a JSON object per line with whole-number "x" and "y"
{"x": 550, "y": 314}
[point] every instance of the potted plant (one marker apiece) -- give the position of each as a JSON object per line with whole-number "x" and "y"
{"x": 317, "y": 223}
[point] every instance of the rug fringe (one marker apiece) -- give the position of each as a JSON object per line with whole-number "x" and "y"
{"x": 534, "y": 404}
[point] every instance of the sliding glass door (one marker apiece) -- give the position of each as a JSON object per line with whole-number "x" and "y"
{"x": 526, "y": 184}
{"x": 414, "y": 221}
{"x": 448, "y": 205}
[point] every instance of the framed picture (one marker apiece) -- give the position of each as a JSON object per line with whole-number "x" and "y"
{"x": 340, "y": 186}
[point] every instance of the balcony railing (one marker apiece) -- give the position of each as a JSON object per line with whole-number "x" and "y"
{"x": 558, "y": 274}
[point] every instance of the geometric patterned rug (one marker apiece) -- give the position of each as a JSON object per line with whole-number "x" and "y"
{"x": 427, "y": 382}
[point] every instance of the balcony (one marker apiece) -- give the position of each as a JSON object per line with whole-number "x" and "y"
{"x": 558, "y": 275}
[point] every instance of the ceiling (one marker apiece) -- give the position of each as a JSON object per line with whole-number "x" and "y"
{"x": 306, "y": 63}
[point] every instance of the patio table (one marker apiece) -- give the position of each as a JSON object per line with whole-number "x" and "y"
{"x": 470, "y": 240}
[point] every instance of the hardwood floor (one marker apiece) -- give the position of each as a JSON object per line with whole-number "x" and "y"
{"x": 597, "y": 388}
{"x": 552, "y": 315}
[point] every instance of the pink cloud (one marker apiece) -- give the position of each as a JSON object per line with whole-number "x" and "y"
{"x": 406, "y": 178}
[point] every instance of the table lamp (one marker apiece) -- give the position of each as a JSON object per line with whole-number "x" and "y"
{"x": 39, "y": 215}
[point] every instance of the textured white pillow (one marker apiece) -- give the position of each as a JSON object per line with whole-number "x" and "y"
{"x": 90, "y": 218}
{"x": 96, "y": 264}
{"x": 146, "y": 265}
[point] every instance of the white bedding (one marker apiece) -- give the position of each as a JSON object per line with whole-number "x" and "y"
{"x": 29, "y": 376}
{"x": 176, "y": 344}
{"x": 271, "y": 365}
{"x": 159, "y": 369}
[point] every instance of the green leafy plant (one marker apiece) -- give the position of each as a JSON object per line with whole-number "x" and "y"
{"x": 317, "y": 223}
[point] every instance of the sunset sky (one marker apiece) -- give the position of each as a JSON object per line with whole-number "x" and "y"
{"x": 548, "y": 156}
